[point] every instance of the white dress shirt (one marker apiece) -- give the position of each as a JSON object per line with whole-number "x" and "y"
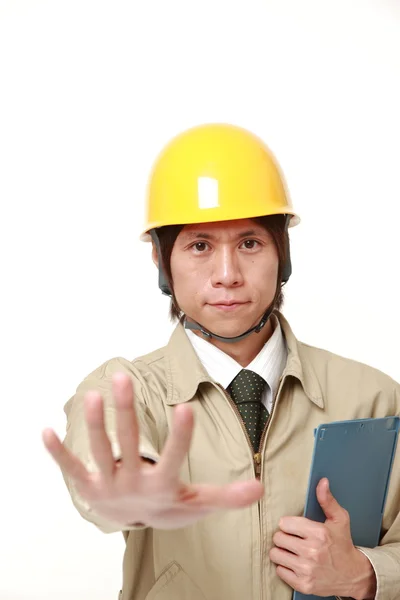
{"x": 269, "y": 362}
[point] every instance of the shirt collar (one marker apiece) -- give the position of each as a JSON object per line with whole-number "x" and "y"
{"x": 269, "y": 362}
{"x": 185, "y": 372}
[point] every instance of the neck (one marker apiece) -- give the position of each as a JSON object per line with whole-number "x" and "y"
{"x": 246, "y": 350}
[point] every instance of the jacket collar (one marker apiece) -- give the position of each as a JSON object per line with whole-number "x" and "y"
{"x": 298, "y": 365}
{"x": 185, "y": 372}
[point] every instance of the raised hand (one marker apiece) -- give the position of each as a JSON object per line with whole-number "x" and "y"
{"x": 131, "y": 490}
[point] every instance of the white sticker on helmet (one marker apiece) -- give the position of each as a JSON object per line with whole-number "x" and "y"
{"x": 208, "y": 192}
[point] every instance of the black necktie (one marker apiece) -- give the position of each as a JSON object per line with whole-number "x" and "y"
{"x": 246, "y": 390}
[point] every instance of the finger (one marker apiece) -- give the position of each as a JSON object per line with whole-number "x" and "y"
{"x": 68, "y": 463}
{"x": 300, "y": 526}
{"x": 178, "y": 443}
{"x": 291, "y": 543}
{"x": 234, "y": 495}
{"x": 127, "y": 424}
{"x": 99, "y": 443}
{"x": 289, "y": 577}
{"x": 284, "y": 558}
{"x": 331, "y": 507}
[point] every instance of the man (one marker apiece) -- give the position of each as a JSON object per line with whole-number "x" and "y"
{"x": 200, "y": 451}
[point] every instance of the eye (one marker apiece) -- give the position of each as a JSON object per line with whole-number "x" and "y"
{"x": 250, "y": 244}
{"x": 200, "y": 247}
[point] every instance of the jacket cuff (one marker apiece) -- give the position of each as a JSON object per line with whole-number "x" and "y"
{"x": 385, "y": 561}
{"x": 104, "y": 525}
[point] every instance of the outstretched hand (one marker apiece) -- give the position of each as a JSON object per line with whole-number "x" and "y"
{"x": 131, "y": 490}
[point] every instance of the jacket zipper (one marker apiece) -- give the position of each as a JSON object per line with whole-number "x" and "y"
{"x": 236, "y": 410}
{"x": 257, "y": 461}
{"x": 263, "y": 435}
{"x": 257, "y": 456}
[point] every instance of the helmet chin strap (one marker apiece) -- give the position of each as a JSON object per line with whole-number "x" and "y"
{"x": 193, "y": 325}
{"x": 229, "y": 340}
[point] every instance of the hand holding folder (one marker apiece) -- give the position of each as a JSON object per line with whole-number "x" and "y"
{"x": 356, "y": 457}
{"x": 321, "y": 557}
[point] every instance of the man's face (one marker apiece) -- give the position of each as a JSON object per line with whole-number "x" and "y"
{"x": 225, "y": 274}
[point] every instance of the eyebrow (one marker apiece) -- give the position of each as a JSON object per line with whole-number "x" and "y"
{"x": 208, "y": 236}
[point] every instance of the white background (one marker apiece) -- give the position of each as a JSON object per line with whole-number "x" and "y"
{"x": 89, "y": 92}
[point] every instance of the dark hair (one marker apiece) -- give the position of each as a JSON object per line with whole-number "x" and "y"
{"x": 274, "y": 224}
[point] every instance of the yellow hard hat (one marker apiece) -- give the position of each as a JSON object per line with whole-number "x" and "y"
{"x": 215, "y": 172}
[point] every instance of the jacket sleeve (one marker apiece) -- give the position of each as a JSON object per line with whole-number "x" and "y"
{"x": 77, "y": 440}
{"x": 385, "y": 558}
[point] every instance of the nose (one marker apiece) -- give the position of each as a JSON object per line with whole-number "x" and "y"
{"x": 226, "y": 269}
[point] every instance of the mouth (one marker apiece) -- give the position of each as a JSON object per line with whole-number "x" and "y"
{"x": 227, "y": 306}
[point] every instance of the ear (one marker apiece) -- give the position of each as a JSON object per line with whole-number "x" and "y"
{"x": 154, "y": 254}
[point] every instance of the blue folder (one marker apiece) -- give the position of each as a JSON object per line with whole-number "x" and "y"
{"x": 357, "y": 458}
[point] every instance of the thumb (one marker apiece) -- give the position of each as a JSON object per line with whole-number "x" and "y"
{"x": 329, "y": 504}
